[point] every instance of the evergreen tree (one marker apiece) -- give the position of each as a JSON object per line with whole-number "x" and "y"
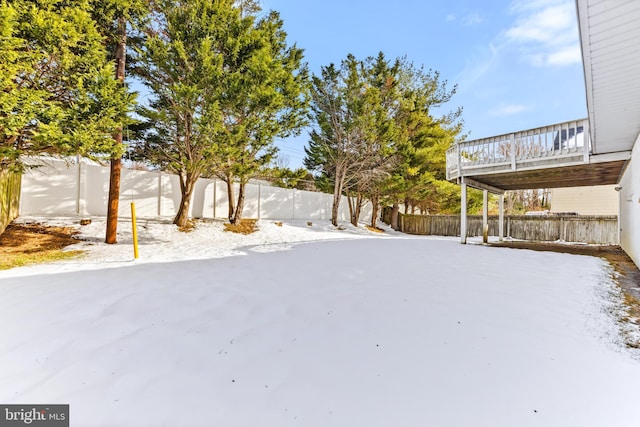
{"x": 248, "y": 7}
{"x": 181, "y": 63}
{"x": 344, "y": 141}
{"x": 225, "y": 86}
{"x": 284, "y": 177}
{"x": 263, "y": 95}
{"x": 423, "y": 138}
{"x": 57, "y": 91}
{"x": 114, "y": 17}
{"x": 376, "y": 137}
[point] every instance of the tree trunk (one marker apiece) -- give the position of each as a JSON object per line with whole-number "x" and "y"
{"x": 237, "y": 216}
{"x": 357, "y": 208}
{"x": 350, "y": 204}
{"x": 337, "y": 195}
{"x": 187, "y": 184}
{"x": 406, "y": 205}
{"x": 231, "y": 198}
{"x": 394, "y": 215}
{"x": 116, "y": 163}
{"x": 335, "y": 207}
{"x": 114, "y": 197}
{"x": 375, "y": 204}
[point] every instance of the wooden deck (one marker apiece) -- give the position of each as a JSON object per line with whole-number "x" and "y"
{"x": 547, "y": 157}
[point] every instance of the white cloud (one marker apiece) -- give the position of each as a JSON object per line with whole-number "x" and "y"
{"x": 477, "y": 66}
{"x": 508, "y": 110}
{"x": 542, "y": 33}
{"x": 570, "y": 55}
{"x": 545, "y": 32}
{"x": 472, "y": 19}
{"x": 522, "y": 6}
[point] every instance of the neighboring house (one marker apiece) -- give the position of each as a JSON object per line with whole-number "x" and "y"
{"x": 569, "y": 137}
{"x": 594, "y": 200}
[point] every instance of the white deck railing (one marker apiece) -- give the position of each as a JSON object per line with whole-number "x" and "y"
{"x": 554, "y": 144}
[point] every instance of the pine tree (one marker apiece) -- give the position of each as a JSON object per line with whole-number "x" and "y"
{"x": 180, "y": 62}
{"x": 376, "y": 137}
{"x": 340, "y": 144}
{"x": 57, "y": 91}
{"x": 114, "y": 17}
{"x": 423, "y": 138}
{"x": 263, "y": 95}
{"x": 350, "y": 146}
{"x": 225, "y": 86}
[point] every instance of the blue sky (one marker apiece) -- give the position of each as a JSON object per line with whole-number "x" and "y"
{"x": 517, "y": 63}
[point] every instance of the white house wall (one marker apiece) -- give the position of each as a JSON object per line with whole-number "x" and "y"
{"x": 61, "y": 189}
{"x": 630, "y": 206}
{"x": 594, "y": 200}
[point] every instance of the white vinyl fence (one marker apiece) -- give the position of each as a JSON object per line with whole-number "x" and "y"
{"x": 60, "y": 188}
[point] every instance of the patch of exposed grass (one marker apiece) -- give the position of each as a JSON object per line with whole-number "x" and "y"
{"x": 245, "y": 226}
{"x": 632, "y": 304}
{"x": 26, "y": 244}
{"x": 19, "y": 260}
{"x": 375, "y": 229}
{"x": 630, "y": 321}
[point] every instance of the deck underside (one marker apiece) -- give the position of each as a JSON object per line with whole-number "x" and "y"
{"x": 605, "y": 173}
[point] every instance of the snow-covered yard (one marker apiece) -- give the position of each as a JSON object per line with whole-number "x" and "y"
{"x": 350, "y": 328}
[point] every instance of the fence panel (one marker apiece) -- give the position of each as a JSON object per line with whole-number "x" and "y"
{"x": 545, "y": 229}
{"x": 9, "y": 197}
{"x": 78, "y": 188}
{"x": 596, "y": 229}
{"x": 581, "y": 229}
{"x": 415, "y": 224}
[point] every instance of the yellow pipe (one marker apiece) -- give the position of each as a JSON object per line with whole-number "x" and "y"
{"x": 135, "y": 230}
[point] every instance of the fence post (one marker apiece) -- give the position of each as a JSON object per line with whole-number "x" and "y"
{"x": 501, "y": 217}
{"x": 215, "y": 196}
{"x": 159, "y": 192}
{"x": 485, "y": 216}
{"x": 78, "y": 183}
{"x": 463, "y": 212}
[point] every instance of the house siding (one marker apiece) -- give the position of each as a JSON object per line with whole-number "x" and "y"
{"x": 594, "y": 200}
{"x": 630, "y": 206}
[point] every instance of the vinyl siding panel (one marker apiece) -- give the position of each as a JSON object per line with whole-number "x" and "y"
{"x": 596, "y": 200}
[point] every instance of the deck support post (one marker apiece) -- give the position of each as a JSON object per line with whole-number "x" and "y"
{"x": 501, "y": 217}
{"x": 463, "y": 211}
{"x": 485, "y": 216}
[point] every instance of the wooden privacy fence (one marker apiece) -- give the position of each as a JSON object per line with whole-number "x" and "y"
{"x": 547, "y": 228}
{"x": 9, "y": 197}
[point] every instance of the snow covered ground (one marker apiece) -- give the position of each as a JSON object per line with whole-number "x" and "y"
{"x": 309, "y": 326}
